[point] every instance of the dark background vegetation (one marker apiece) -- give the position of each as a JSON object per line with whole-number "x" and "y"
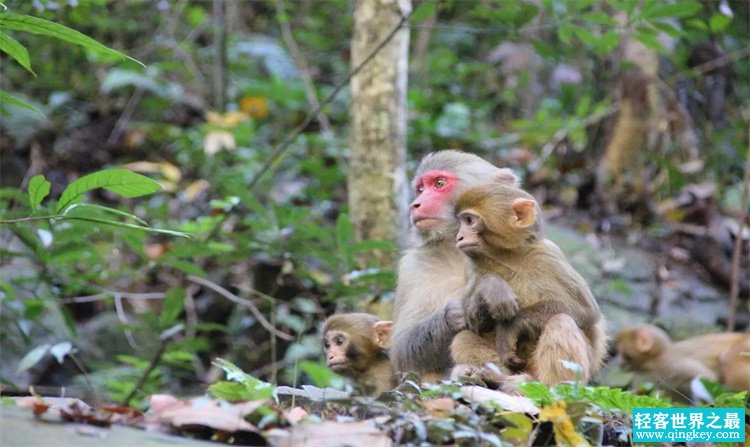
{"x": 537, "y": 86}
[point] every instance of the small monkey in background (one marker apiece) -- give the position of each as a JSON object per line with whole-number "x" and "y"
{"x": 542, "y": 309}
{"x": 356, "y": 346}
{"x": 650, "y": 352}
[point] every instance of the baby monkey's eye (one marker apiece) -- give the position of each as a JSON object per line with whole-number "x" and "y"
{"x": 339, "y": 341}
{"x": 467, "y": 219}
{"x": 326, "y": 345}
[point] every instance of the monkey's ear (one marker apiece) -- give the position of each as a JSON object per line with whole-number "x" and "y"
{"x": 525, "y": 212}
{"x": 381, "y": 332}
{"x": 506, "y": 177}
{"x": 644, "y": 341}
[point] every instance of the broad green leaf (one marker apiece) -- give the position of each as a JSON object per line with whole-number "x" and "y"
{"x": 60, "y": 350}
{"x": 319, "y": 375}
{"x": 719, "y": 22}
{"x": 16, "y": 51}
{"x": 43, "y": 27}
{"x": 32, "y": 358}
{"x": 650, "y": 41}
{"x": 38, "y": 190}
{"x": 119, "y": 181}
{"x": 600, "y": 18}
{"x": 677, "y": 10}
{"x": 174, "y": 302}
{"x": 6, "y": 98}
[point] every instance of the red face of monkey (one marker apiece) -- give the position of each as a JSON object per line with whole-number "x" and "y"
{"x": 433, "y": 203}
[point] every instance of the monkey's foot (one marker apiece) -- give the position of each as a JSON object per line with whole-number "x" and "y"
{"x": 510, "y": 383}
{"x": 515, "y": 363}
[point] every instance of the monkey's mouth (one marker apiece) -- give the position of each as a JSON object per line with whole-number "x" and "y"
{"x": 466, "y": 246}
{"x": 424, "y": 223}
{"x": 338, "y": 367}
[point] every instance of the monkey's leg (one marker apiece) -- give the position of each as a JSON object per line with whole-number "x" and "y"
{"x": 561, "y": 339}
{"x": 735, "y": 366}
{"x": 506, "y": 344}
{"x": 472, "y": 349}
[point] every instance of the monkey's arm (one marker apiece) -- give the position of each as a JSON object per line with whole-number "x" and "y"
{"x": 423, "y": 346}
{"x": 490, "y": 301}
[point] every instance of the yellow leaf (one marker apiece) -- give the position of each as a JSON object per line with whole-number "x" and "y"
{"x": 254, "y": 106}
{"x": 565, "y": 432}
{"x": 193, "y": 190}
{"x": 226, "y": 120}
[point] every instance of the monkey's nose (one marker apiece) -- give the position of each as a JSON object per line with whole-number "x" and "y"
{"x": 459, "y": 238}
{"x": 415, "y": 205}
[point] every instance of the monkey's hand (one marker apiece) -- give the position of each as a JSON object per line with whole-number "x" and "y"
{"x": 492, "y": 300}
{"x": 454, "y": 316}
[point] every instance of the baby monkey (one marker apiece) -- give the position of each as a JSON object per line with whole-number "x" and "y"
{"x": 356, "y": 346}
{"x": 541, "y": 308}
{"x": 673, "y": 365}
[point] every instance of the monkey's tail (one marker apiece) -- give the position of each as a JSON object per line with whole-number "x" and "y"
{"x": 600, "y": 345}
{"x": 560, "y": 340}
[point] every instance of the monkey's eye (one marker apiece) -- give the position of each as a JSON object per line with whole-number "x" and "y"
{"x": 467, "y": 219}
{"x": 420, "y": 188}
{"x": 326, "y": 345}
{"x": 339, "y": 340}
{"x": 440, "y": 182}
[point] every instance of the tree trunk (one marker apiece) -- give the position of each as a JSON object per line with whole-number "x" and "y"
{"x": 378, "y": 188}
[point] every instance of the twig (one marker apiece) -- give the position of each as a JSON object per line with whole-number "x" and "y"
{"x": 105, "y": 295}
{"x": 86, "y": 378}
{"x": 299, "y": 60}
{"x": 154, "y": 363}
{"x": 284, "y": 145}
{"x": 247, "y": 303}
{"x": 734, "y": 291}
{"x": 220, "y": 55}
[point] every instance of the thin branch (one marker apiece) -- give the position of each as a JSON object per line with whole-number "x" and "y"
{"x": 247, "y": 303}
{"x": 163, "y": 342}
{"x": 734, "y": 291}
{"x": 106, "y": 295}
{"x": 299, "y": 60}
{"x": 284, "y": 145}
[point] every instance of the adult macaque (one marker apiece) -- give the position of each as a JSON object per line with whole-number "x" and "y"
{"x": 543, "y": 309}
{"x": 722, "y": 357}
{"x": 356, "y": 346}
{"x": 431, "y": 275}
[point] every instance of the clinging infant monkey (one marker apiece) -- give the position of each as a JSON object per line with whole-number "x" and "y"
{"x": 547, "y": 314}
{"x": 356, "y": 345}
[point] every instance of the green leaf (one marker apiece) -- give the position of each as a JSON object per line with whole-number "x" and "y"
{"x": 719, "y": 22}
{"x": 677, "y": 10}
{"x": 174, "y": 302}
{"x": 600, "y": 18}
{"x": 319, "y": 375}
{"x": 32, "y": 358}
{"x": 60, "y": 350}
{"x": 255, "y": 389}
{"x": 650, "y": 41}
{"x": 119, "y": 181}
{"x": 16, "y": 51}
{"x": 38, "y": 190}
{"x": 6, "y": 98}
{"x": 424, "y": 11}
{"x": 43, "y": 27}
{"x": 130, "y": 226}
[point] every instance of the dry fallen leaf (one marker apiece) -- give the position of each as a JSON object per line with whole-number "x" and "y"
{"x": 439, "y": 407}
{"x": 332, "y": 434}
{"x": 484, "y": 396}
